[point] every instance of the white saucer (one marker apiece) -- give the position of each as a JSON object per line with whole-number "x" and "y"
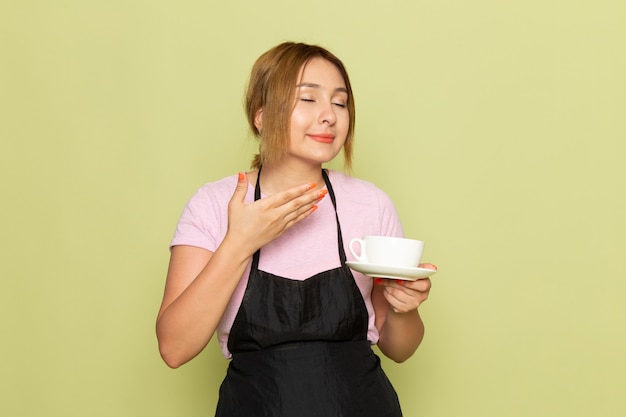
{"x": 394, "y": 272}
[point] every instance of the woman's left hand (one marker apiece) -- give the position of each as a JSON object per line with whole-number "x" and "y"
{"x": 405, "y": 296}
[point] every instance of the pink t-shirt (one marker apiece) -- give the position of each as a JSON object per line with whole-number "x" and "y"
{"x": 309, "y": 247}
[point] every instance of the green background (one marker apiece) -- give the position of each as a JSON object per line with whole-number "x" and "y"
{"x": 498, "y": 128}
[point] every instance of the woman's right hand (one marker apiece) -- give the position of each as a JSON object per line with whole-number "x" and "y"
{"x": 201, "y": 283}
{"x": 255, "y": 224}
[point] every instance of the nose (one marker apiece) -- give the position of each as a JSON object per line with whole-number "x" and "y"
{"x": 327, "y": 114}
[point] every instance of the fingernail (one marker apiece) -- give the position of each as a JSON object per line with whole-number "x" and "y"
{"x": 313, "y": 209}
{"x": 311, "y": 186}
{"x": 378, "y": 280}
{"x": 399, "y": 281}
{"x": 322, "y": 194}
{"x": 241, "y": 176}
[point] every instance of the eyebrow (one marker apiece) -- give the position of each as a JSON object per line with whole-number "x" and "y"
{"x": 313, "y": 85}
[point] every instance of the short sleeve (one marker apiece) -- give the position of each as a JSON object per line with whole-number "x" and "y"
{"x": 389, "y": 218}
{"x": 202, "y": 220}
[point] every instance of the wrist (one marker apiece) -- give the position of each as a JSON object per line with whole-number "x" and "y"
{"x": 235, "y": 249}
{"x": 400, "y": 313}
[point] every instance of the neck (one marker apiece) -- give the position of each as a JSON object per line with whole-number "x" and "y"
{"x": 280, "y": 177}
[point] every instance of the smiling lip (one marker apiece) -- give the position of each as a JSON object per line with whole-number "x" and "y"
{"x": 322, "y": 137}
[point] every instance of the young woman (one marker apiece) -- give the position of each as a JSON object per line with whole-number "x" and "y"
{"x": 260, "y": 259}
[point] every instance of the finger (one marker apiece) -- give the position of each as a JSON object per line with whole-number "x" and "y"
{"x": 298, "y": 208}
{"x": 404, "y": 299}
{"x": 281, "y": 216}
{"x": 428, "y": 266}
{"x": 421, "y": 285}
{"x": 408, "y": 290}
{"x": 241, "y": 189}
{"x": 398, "y": 301}
{"x": 300, "y": 213}
{"x": 426, "y": 284}
{"x": 291, "y": 194}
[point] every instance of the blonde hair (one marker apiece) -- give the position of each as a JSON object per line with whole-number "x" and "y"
{"x": 272, "y": 89}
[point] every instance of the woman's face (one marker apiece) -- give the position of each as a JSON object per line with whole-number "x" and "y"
{"x": 320, "y": 119}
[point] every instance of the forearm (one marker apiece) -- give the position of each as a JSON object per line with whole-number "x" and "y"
{"x": 187, "y": 324}
{"x": 401, "y": 334}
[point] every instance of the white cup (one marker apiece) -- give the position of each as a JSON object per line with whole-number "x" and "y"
{"x": 386, "y": 250}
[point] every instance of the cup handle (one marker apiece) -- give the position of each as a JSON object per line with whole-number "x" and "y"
{"x": 361, "y": 242}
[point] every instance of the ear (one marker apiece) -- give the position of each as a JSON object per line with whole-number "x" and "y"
{"x": 258, "y": 120}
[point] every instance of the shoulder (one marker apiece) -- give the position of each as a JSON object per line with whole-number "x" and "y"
{"x": 341, "y": 179}
{"x": 204, "y": 219}
{"x": 357, "y": 189}
{"x": 223, "y": 186}
{"x": 210, "y": 201}
{"x": 365, "y": 208}
{"x": 213, "y": 194}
